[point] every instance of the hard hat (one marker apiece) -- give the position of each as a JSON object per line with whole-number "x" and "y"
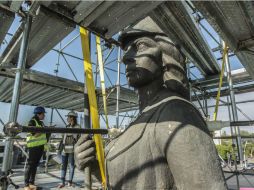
{"x": 72, "y": 113}
{"x": 39, "y": 109}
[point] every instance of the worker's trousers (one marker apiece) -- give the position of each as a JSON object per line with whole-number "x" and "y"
{"x": 35, "y": 154}
{"x": 67, "y": 157}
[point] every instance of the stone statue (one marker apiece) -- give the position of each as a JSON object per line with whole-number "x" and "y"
{"x": 168, "y": 145}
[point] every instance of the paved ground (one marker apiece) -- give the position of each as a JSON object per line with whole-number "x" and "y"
{"x": 244, "y": 181}
{"x": 245, "y": 177}
{"x": 50, "y": 180}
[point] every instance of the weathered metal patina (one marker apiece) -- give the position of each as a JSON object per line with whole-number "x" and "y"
{"x": 168, "y": 146}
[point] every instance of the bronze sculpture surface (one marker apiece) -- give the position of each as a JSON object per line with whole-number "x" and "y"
{"x": 168, "y": 146}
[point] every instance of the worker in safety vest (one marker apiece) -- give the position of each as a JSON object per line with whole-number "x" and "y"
{"x": 35, "y": 144}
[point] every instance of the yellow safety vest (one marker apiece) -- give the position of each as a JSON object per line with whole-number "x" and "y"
{"x": 32, "y": 141}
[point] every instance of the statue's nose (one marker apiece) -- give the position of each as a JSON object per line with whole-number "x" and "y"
{"x": 128, "y": 60}
{"x": 129, "y": 56}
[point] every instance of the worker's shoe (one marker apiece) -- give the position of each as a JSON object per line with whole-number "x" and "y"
{"x": 33, "y": 187}
{"x": 70, "y": 184}
{"x": 27, "y": 188}
{"x": 61, "y": 186}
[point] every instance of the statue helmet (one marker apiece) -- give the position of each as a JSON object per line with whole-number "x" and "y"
{"x": 145, "y": 27}
{"x": 72, "y": 114}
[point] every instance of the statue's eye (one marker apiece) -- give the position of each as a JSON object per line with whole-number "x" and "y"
{"x": 141, "y": 46}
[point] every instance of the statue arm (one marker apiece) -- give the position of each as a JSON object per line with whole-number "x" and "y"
{"x": 193, "y": 159}
{"x": 195, "y": 164}
{"x": 184, "y": 140}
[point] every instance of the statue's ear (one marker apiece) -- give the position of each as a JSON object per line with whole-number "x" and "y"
{"x": 174, "y": 82}
{"x": 174, "y": 76}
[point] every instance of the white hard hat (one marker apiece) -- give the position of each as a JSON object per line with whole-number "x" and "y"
{"x": 72, "y": 113}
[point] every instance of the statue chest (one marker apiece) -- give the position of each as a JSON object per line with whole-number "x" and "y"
{"x": 134, "y": 160}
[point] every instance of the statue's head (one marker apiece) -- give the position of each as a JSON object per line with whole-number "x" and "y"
{"x": 150, "y": 55}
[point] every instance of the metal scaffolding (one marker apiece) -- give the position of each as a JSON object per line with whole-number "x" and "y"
{"x": 60, "y": 93}
{"x": 7, "y": 159}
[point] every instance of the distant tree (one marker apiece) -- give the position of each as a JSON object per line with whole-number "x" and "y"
{"x": 249, "y": 148}
{"x": 18, "y": 137}
{"x": 223, "y": 150}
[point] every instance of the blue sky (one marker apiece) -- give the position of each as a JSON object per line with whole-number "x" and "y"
{"x": 48, "y": 64}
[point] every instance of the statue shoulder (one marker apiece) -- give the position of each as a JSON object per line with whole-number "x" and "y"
{"x": 178, "y": 114}
{"x": 180, "y": 110}
{"x": 175, "y": 116}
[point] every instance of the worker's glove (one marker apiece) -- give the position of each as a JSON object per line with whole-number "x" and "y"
{"x": 84, "y": 152}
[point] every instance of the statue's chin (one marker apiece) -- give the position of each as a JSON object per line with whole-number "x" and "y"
{"x": 136, "y": 83}
{"x": 141, "y": 77}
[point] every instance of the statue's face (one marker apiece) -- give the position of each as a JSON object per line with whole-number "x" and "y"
{"x": 142, "y": 58}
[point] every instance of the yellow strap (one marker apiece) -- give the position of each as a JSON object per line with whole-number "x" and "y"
{"x": 103, "y": 88}
{"x": 92, "y": 101}
{"x": 225, "y": 52}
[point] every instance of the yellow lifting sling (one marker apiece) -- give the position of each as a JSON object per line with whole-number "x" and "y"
{"x": 103, "y": 88}
{"x": 225, "y": 52}
{"x": 84, "y": 35}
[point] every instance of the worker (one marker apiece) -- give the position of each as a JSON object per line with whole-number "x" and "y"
{"x": 168, "y": 146}
{"x": 67, "y": 154}
{"x": 35, "y": 144}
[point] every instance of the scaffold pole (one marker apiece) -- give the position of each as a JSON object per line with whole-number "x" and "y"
{"x": 233, "y": 104}
{"x": 15, "y": 96}
{"x": 118, "y": 87}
